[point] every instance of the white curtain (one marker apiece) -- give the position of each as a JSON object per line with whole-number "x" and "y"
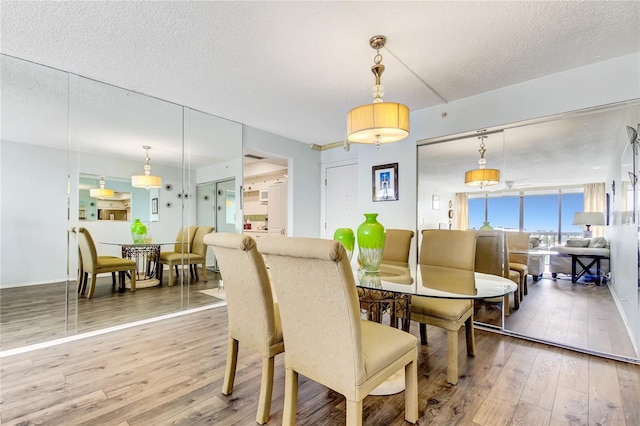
{"x": 462, "y": 211}
{"x": 594, "y": 200}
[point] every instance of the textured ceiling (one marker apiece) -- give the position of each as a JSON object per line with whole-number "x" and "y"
{"x": 296, "y": 68}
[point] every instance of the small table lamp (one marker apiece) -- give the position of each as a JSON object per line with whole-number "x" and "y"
{"x": 587, "y": 219}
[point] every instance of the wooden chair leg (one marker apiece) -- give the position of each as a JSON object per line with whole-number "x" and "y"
{"x": 230, "y": 368}
{"x": 354, "y": 413}
{"x": 193, "y": 272}
{"x": 133, "y": 280}
{"x": 291, "y": 398}
{"x": 471, "y": 341}
{"x": 204, "y": 272}
{"x": 423, "y": 334}
{"x": 505, "y": 305}
{"x": 92, "y": 286}
{"x": 411, "y": 413}
{"x": 171, "y": 274}
{"x": 266, "y": 388}
{"x": 113, "y": 279}
{"x": 516, "y": 298}
{"x": 452, "y": 357}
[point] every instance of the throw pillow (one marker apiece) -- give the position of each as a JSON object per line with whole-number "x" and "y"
{"x": 598, "y": 242}
{"x": 577, "y": 243}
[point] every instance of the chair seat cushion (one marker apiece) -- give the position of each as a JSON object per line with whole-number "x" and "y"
{"x": 382, "y": 345}
{"x": 514, "y": 276}
{"x": 173, "y": 257}
{"x": 109, "y": 261}
{"x": 449, "y": 309}
{"x": 519, "y": 267}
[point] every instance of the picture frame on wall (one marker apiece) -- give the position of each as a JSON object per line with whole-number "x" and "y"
{"x": 154, "y": 206}
{"x": 385, "y": 182}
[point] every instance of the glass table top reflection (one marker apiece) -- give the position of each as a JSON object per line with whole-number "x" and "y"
{"x": 434, "y": 281}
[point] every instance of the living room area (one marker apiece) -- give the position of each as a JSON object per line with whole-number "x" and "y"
{"x": 575, "y": 206}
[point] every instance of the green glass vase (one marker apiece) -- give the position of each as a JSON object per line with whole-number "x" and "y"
{"x": 138, "y": 231}
{"x": 371, "y": 238}
{"x": 347, "y": 238}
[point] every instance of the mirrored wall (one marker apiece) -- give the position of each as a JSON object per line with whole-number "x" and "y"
{"x": 551, "y": 169}
{"x": 62, "y": 134}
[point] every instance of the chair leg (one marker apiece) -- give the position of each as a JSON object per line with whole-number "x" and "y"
{"x": 204, "y": 272}
{"x": 171, "y": 274}
{"x": 505, "y": 305}
{"x": 291, "y": 397}
{"x": 230, "y": 368}
{"x": 193, "y": 272}
{"x": 133, "y": 280}
{"x": 92, "y": 286}
{"x": 471, "y": 341}
{"x": 423, "y": 333}
{"x": 266, "y": 388}
{"x": 113, "y": 279}
{"x": 525, "y": 285}
{"x": 452, "y": 357}
{"x": 516, "y": 298}
{"x": 354, "y": 413}
{"x": 411, "y": 413}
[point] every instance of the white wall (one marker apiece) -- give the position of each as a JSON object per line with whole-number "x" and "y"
{"x": 34, "y": 211}
{"x": 304, "y": 178}
{"x": 34, "y": 214}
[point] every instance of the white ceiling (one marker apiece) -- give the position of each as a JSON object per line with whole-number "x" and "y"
{"x": 296, "y": 68}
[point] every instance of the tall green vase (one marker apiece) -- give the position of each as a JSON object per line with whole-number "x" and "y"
{"x": 138, "y": 231}
{"x": 347, "y": 238}
{"x": 371, "y": 238}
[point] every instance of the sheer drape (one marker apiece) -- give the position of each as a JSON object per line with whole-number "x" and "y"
{"x": 462, "y": 211}
{"x": 594, "y": 196}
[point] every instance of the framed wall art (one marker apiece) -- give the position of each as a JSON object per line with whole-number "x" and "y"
{"x": 385, "y": 182}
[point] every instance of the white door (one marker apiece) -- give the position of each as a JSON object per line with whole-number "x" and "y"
{"x": 341, "y": 199}
{"x": 277, "y": 209}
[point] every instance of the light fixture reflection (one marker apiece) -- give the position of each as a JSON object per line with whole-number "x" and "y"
{"x": 146, "y": 180}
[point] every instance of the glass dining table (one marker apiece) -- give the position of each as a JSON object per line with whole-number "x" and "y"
{"x": 391, "y": 288}
{"x": 146, "y": 256}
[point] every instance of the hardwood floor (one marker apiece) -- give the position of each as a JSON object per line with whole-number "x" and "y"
{"x": 171, "y": 371}
{"x": 582, "y": 315}
{"x": 35, "y": 314}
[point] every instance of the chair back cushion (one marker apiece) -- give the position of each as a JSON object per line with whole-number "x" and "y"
{"x": 397, "y": 245}
{"x": 448, "y": 248}
{"x": 518, "y": 241}
{"x": 87, "y": 250}
{"x": 490, "y": 252}
{"x": 250, "y": 308}
{"x": 184, "y": 239}
{"x": 319, "y": 309}
{"x": 197, "y": 245}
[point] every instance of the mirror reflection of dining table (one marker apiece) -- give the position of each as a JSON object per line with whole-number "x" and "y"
{"x": 146, "y": 256}
{"x": 390, "y": 289}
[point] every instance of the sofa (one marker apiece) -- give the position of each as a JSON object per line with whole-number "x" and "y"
{"x": 560, "y": 263}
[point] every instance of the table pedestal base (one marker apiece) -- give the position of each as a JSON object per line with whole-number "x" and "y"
{"x": 151, "y": 282}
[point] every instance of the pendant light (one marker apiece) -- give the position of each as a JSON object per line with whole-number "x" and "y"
{"x": 101, "y": 192}
{"x": 378, "y": 122}
{"x": 482, "y": 176}
{"x": 146, "y": 180}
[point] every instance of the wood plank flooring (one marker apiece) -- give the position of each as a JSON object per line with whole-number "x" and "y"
{"x": 582, "y": 315}
{"x": 171, "y": 371}
{"x": 36, "y": 314}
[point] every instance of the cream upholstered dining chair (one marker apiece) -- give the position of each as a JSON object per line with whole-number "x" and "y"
{"x": 518, "y": 243}
{"x": 397, "y": 245}
{"x": 254, "y": 319}
{"x": 325, "y": 338}
{"x": 450, "y": 249}
{"x": 93, "y": 264}
{"x": 190, "y": 250}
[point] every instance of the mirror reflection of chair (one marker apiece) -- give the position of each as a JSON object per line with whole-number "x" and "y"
{"x": 325, "y": 338}
{"x": 491, "y": 259}
{"x": 449, "y": 249}
{"x": 93, "y": 264}
{"x": 518, "y": 246}
{"x": 189, "y": 250}
{"x": 254, "y": 319}
{"x": 397, "y": 245}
